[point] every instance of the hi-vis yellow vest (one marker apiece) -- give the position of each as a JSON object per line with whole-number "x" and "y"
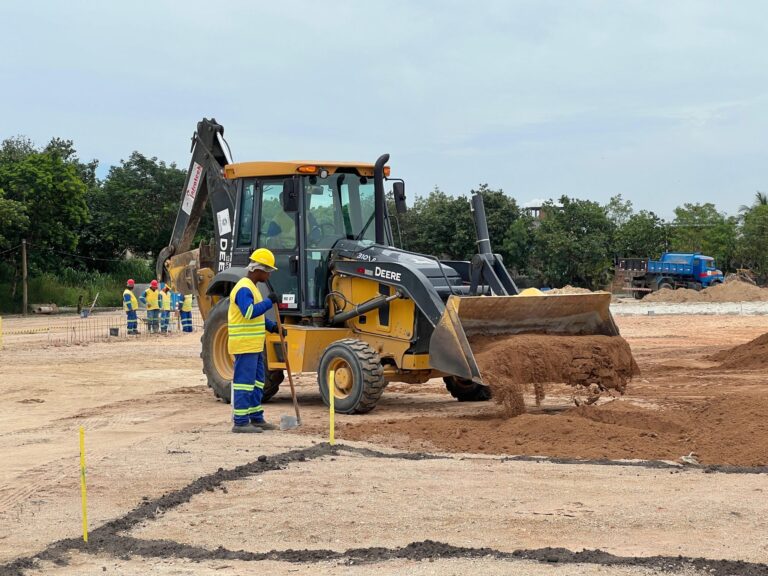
{"x": 151, "y": 298}
{"x": 245, "y": 336}
{"x": 134, "y": 302}
{"x": 165, "y": 301}
{"x": 186, "y": 305}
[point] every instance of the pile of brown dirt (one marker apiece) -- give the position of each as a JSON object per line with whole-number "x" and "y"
{"x": 735, "y": 291}
{"x": 728, "y": 430}
{"x": 508, "y": 363}
{"x": 568, "y": 289}
{"x": 750, "y": 356}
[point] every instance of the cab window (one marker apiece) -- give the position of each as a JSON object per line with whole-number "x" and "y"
{"x": 278, "y": 228}
{"x": 245, "y": 224}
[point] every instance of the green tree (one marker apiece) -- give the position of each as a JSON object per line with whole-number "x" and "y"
{"x": 753, "y": 244}
{"x": 52, "y": 196}
{"x": 135, "y": 208}
{"x": 701, "y": 228}
{"x": 761, "y": 199}
{"x": 572, "y": 243}
{"x": 518, "y": 245}
{"x": 619, "y": 211}
{"x": 439, "y": 225}
{"x": 643, "y": 235}
{"x": 13, "y": 220}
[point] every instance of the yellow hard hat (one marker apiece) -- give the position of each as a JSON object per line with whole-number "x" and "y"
{"x": 263, "y": 257}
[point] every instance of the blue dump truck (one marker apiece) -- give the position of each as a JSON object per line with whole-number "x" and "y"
{"x": 672, "y": 270}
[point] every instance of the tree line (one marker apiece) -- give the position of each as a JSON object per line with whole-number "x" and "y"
{"x": 73, "y": 220}
{"x": 578, "y": 242}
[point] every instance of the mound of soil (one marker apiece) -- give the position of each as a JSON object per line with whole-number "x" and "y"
{"x": 750, "y": 356}
{"x": 508, "y": 363}
{"x": 568, "y": 289}
{"x": 734, "y": 291}
{"x": 728, "y": 430}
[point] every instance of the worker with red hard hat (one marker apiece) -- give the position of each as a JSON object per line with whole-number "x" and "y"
{"x": 150, "y": 298}
{"x": 130, "y": 305}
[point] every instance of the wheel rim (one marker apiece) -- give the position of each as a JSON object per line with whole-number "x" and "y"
{"x": 343, "y": 377}
{"x": 222, "y": 360}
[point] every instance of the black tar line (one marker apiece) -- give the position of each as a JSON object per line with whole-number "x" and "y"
{"x": 108, "y": 539}
{"x": 654, "y": 464}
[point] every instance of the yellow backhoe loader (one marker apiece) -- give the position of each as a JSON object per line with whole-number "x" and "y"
{"x": 354, "y": 305}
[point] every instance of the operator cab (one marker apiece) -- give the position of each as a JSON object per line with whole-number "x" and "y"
{"x": 300, "y": 218}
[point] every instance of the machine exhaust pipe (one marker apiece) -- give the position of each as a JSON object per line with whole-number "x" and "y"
{"x": 481, "y": 224}
{"x": 379, "y": 200}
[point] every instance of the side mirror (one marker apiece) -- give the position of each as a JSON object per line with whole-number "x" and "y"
{"x": 290, "y": 196}
{"x": 398, "y": 190}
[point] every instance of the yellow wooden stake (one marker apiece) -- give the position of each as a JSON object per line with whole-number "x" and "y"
{"x": 82, "y": 484}
{"x": 331, "y": 397}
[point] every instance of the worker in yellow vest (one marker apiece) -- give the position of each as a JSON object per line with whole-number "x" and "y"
{"x": 130, "y": 305}
{"x": 247, "y": 331}
{"x": 150, "y": 298}
{"x": 164, "y": 300}
{"x": 186, "y": 313}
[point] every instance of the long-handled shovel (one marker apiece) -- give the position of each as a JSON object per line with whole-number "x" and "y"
{"x": 286, "y": 422}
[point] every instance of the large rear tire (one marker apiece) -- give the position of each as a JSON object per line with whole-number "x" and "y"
{"x": 358, "y": 376}
{"x": 466, "y": 390}
{"x": 666, "y": 285}
{"x": 218, "y": 364}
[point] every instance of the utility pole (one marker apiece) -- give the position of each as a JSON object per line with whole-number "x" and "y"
{"x": 24, "y": 277}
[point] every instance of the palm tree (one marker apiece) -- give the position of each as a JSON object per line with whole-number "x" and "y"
{"x": 761, "y": 199}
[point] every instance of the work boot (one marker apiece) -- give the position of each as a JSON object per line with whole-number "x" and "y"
{"x": 246, "y": 429}
{"x": 264, "y": 426}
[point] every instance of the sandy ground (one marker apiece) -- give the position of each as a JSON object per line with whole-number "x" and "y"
{"x": 82, "y": 564}
{"x": 152, "y": 426}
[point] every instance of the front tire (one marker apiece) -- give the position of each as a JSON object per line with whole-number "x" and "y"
{"x": 218, "y": 363}
{"x": 466, "y": 390}
{"x": 358, "y": 376}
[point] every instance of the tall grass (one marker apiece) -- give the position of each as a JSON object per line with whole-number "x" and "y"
{"x": 67, "y": 286}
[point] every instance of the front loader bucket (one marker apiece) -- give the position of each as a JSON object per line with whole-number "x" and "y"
{"x": 468, "y": 316}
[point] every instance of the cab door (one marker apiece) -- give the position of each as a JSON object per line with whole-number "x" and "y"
{"x": 278, "y": 231}
{"x": 245, "y": 227}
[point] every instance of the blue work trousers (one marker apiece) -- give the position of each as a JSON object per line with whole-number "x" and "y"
{"x": 165, "y": 318}
{"x": 133, "y": 321}
{"x": 248, "y": 388}
{"x": 186, "y": 321}
{"x": 153, "y": 320}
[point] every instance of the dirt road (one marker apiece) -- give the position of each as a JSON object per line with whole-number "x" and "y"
{"x": 153, "y": 431}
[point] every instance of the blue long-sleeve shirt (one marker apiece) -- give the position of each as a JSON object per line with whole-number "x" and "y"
{"x": 128, "y": 303}
{"x": 250, "y": 309}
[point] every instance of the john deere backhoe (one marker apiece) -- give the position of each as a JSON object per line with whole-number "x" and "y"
{"x": 354, "y": 304}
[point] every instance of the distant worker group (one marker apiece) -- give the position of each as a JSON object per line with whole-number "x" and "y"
{"x": 159, "y": 304}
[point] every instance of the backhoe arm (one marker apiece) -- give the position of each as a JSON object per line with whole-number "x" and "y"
{"x": 205, "y": 182}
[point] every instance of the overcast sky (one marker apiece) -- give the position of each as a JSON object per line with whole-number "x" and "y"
{"x": 662, "y": 102}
